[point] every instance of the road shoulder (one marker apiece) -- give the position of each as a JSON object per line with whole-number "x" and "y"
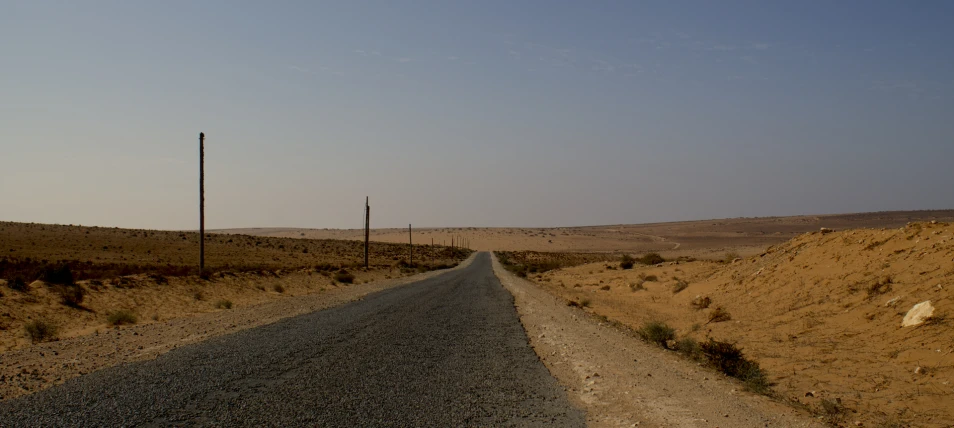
{"x": 622, "y": 381}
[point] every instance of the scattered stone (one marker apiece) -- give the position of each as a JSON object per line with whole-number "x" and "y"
{"x": 892, "y": 302}
{"x": 810, "y": 394}
{"x": 918, "y": 314}
{"x": 919, "y": 370}
{"x": 826, "y": 230}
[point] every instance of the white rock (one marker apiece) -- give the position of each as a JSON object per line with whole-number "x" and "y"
{"x": 918, "y": 314}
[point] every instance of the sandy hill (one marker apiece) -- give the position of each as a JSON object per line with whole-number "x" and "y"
{"x": 821, "y": 312}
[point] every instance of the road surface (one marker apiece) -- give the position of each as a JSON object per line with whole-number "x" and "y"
{"x": 446, "y": 351}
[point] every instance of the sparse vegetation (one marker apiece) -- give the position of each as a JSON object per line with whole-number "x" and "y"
{"x": 679, "y": 286}
{"x": 651, "y": 259}
{"x": 881, "y": 286}
{"x": 637, "y": 286}
{"x": 40, "y": 330}
{"x": 122, "y": 317}
{"x": 71, "y": 295}
{"x": 61, "y": 275}
{"x": 700, "y": 302}
{"x": 657, "y": 332}
{"x": 729, "y": 359}
{"x": 278, "y": 288}
{"x": 18, "y": 284}
{"x": 651, "y": 278}
{"x": 689, "y": 347}
{"x": 719, "y": 315}
{"x": 223, "y": 304}
{"x": 344, "y": 276}
{"x": 627, "y": 262}
{"x": 730, "y": 257}
{"x": 605, "y": 288}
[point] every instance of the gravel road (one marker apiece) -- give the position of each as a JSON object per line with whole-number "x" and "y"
{"x": 446, "y": 351}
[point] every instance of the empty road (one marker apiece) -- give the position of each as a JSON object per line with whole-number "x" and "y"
{"x": 446, "y": 351}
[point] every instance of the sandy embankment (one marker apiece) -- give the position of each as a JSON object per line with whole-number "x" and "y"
{"x": 622, "y": 382}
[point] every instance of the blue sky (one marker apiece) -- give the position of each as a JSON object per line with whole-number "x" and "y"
{"x": 472, "y": 113}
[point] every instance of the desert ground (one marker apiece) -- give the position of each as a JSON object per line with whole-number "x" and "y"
{"x": 704, "y": 239}
{"x": 123, "y": 276}
{"x": 821, "y": 314}
{"x": 816, "y": 301}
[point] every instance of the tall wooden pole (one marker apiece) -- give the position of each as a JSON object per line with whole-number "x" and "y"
{"x": 367, "y": 230}
{"x": 201, "y": 203}
{"x": 410, "y": 247}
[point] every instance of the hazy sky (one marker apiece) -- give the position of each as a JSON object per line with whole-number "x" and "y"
{"x": 478, "y": 113}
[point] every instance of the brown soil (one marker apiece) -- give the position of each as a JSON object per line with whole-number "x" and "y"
{"x": 153, "y": 274}
{"x": 704, "y": 239}
{"x": 821, "y": 313}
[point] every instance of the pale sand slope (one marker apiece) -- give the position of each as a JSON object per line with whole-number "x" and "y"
{"x": 821, "y": 313}
{"x": 623, "y": 382}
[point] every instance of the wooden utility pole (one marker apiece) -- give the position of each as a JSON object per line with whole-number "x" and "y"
{"x": 410, "y": 247}
{"x": 201, "y": 203}
{"x": 367, "y": 229}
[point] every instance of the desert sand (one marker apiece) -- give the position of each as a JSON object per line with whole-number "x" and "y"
{"x": 821, "y": 313}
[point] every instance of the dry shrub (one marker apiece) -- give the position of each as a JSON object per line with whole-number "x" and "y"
{"x": 40, "y": 330}
{"x": 651, "y": 259}
{"x": 122, "y": 317}
{"x": 879, "y": 287}
{"x": 71, "y": 295}
{"x": 344, "y": 276}
{"x": 657, "y": 332}
{"x": 679, "y": 286}
{"x": 719, "y": 315}
{"x": 700, "y": 302}
{"x": 18, "y": 284}
{"x": 278, "y": 288}
{"x": 728, "y": 358}
{"x": 605, "y": 288}
{"x": 223, "y": 304}
{"x": 627, "y": 262}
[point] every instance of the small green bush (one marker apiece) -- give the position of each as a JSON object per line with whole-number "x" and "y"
{"x": 122, "y": 317}
{"x": 627, "y": 262}
{"x": 657, "y": 332}
{"x": 40, "y": 331}
{"x": 344, "y": 277}
{"x": 223, "y": 304}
